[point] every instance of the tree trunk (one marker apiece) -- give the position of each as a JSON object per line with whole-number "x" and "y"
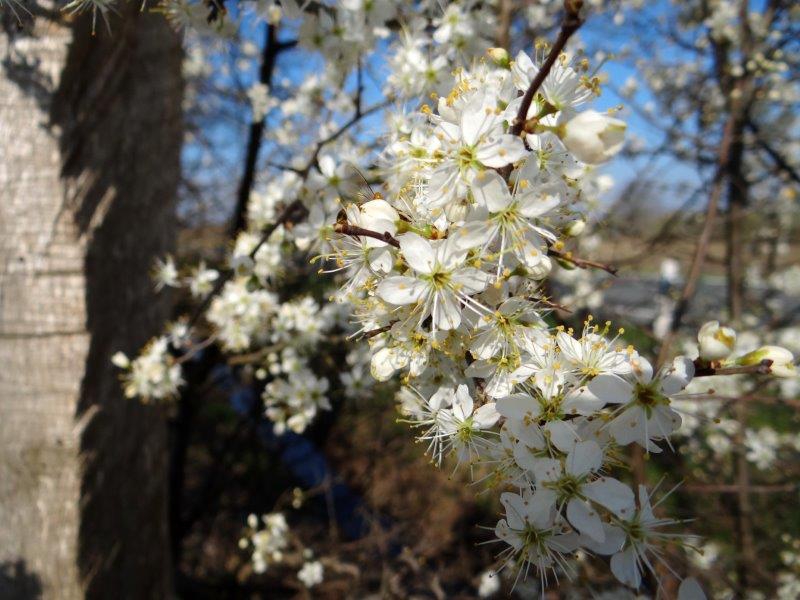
{"x": 90, "y": 131}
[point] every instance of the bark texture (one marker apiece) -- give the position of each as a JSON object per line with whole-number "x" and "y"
{"x": 90, "y": 130}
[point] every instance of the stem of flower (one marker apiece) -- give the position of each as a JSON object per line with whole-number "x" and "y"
{"x": 355, "y": 231}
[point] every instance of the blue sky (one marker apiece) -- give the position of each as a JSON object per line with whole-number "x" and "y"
{"x": 229, "y": 134}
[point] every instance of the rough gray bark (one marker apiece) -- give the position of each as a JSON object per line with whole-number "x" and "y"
{"x": 90, "y": 133}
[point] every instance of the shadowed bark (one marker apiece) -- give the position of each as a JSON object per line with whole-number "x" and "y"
{"x": 90, "y": 131}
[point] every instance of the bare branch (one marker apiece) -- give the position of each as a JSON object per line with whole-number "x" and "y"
{"x": 373, "y": 332}
{"x": 581, "y": 263}
{"x": 355, "y": 231}
{"x": 762, "y": 368}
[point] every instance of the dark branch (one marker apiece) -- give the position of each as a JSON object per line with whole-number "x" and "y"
{"x": 272, "y": 48}
{"x": 355, "y": 231}
{"x": 569, "y": 25}
{"x": 705, "y": 370}
{"x": 779, "y": 160}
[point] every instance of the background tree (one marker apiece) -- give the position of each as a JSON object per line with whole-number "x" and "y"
{"x": 90, "y": 131}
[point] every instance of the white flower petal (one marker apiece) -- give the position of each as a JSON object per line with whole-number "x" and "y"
{"x": 547, "y": 469}
{"x": 614, "y": 539}
{"x": 491, "y": 191}
{"x": 447, "y": 311}
{"x": 470, "y": 280}
{"x": 486, "y": 416}
{"x": 562, "y": 435}
{"x": 623, "y": 566}
{"x": 501, "y": 151}
{"x": 611, "y": 493}
{"x": 690, "y": 590}
{"x": 585, "y": 519}
{"x": 401, "y": 290}
{"x": 585, "y": 457}
{"x": 581, "y": 402}
{"x": 677, "y": 376}
{"x": 418, "y": 252}
{"x": 611, "y": 389}
{"x": 462, "y": 403}
{"x": 518, "y": 406}
{"x": 516, "y": 509}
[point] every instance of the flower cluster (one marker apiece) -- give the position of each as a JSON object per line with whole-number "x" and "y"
{"x": 446, "y": 266}
{"x": 267, "y": 539}
{"x": 154, "y": 375}
{"x": 446, "y": 270}
{"x": 270, "y": 542}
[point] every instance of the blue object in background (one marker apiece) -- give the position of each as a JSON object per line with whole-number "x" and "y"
{"x": 301, "y": 457}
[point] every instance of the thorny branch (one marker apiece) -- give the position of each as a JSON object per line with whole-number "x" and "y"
{"x": 293, "y": 213}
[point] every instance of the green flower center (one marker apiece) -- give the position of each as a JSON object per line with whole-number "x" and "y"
{"x": 466, "y": 157}
{"x": 647, "y": 396}
{"x": 439, "y": 279}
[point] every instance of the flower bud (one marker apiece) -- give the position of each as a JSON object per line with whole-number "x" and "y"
{"x": 120, "y": 360}
{"x": 542, "y": 269}
{"x": 575, "y": 228}
{"x": 242, "y": 264}
{"x": 593, "y": 137}
{"x": 782, "y": 360}
{"x": 715, "y": 342}
{"x": 274, "y": 15}
{"x": 500, "y": 57}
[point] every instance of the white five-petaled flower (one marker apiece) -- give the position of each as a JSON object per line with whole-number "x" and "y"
{"x": 441, "y": 281}
{"x": 535, "y": 534}
{"x": 472, "y": 140}
{"x": 363, "y": 256}
{"x": 644, "y": 412}
{"x": 461, "y": 423}
{"x": 512, "y": 219}
{"x": 592, "y": 354}
{"x": 641, "y": 531}
{"x": 575, "y": 484}
{"x": 311, "y": 574}
{"x": 165, "y": 273}
{"x": 563, "y": 87}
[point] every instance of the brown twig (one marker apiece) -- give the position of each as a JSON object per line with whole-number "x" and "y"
{"x": 293, "y": 212}
{"x": 357, "y": 116}
{"x": 778, "y": 159}
{"x": 272, "y": 48}
{"x": 704, "y": 370}
{"x": 569, "y": 25}
{"x": 549, "y": 303}
{"x": 723, "y": 488}
{"x": 373, "y": 332}
{"x": 711, "y": 396}
{"x": 703, "y": 241}
{"x": 194, "y": 350}
{"x": 581, "y": 263}
{"x": 356, "y": 231}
